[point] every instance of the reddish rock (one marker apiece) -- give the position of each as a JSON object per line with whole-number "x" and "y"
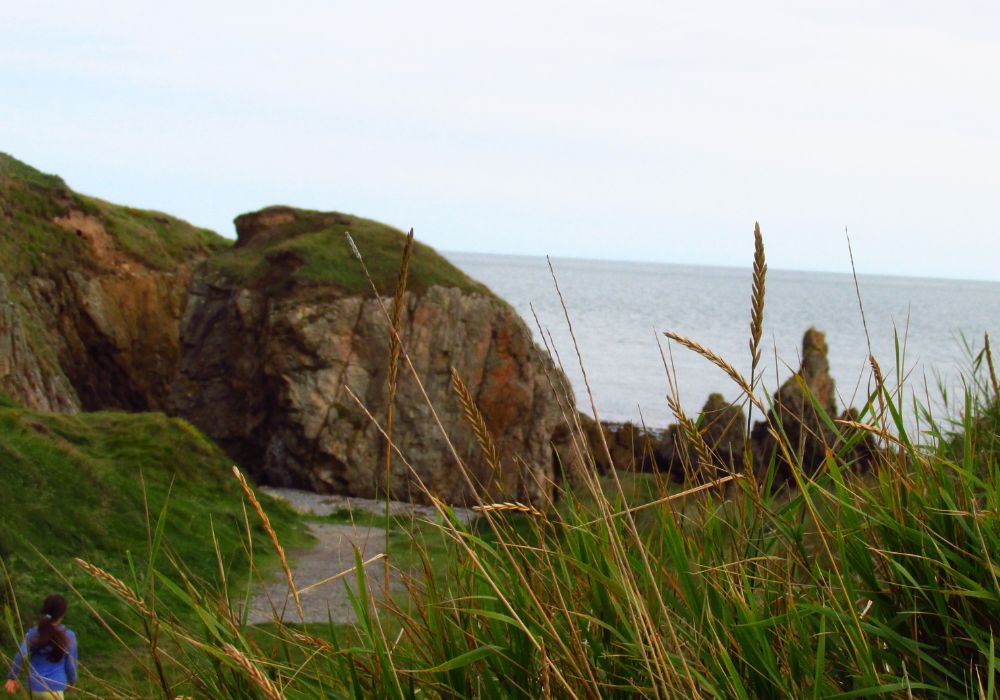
{"x": 266, "y": 372}
{"x": 91, "y": 296}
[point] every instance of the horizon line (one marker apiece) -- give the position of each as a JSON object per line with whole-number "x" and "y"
{"x": 719, "y": 266}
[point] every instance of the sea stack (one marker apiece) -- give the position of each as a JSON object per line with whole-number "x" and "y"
{"x": 799, "y": 408}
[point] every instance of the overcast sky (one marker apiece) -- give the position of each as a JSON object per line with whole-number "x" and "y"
{"x": 625, "y": 130}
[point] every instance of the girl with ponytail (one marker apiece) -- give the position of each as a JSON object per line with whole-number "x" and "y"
{"x": 50, "y": 649}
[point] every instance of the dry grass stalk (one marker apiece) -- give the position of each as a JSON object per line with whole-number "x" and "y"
{"x": 757, "y": 300}
{"x": 442, "y": 510}
{"x": 876, "y": 369}
{"x": 310, "y": 640}
{"x": 115, "y": 584}
{"x": 692, "y": 435}
{"x": 989, "y": 364}
{"x": 475, "y": 419}
{"x": 877, "y": 372}
{"x": 879, "y": 386}
{"x": 584, "y": 469}
{"x": 716, "y": 360}
{"x": 252, "y": 497}
{"x": 655, "y": 654}
{"x": 672, "y": 497}
{"x": 463, "y": 470}
{"x": 342, "y": 574}
{"x": 395, "y": 348}
{"x": 354, "y": 247}
{"x": 467, "y": 477}
{"x": 873, "y": 429}
{"x": 253, "y": 671}
{"x": 507, "y": 506}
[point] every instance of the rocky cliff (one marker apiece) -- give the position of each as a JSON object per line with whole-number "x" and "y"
{"x": 96, "y": 298}
{"x": 91, "y": 295}
{"x": 280, "y": 330}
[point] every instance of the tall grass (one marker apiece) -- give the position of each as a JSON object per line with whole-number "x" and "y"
{"x": 832, "y": 584}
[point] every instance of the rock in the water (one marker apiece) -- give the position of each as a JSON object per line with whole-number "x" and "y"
{"x": 630, "y": 446}
{"x": 722, "y": 427}
{"x": 862, "y": 455}
{"x": 797, "y": 406}
{"x": 282, "y": 329}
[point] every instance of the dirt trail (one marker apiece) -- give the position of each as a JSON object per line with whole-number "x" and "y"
{"x": 332, "y": 554}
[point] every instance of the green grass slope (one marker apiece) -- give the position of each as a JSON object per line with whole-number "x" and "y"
{"x": 75, "y": 486}
{"x": 313, "y": 250}
{"x": 32, "y": 244}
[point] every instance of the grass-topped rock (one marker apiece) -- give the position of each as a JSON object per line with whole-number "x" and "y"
{"x": 281, "y": 246}
{"x": 283, "y": 328}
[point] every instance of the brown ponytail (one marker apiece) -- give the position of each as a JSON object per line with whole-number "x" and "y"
{"x": 48, "y": 633}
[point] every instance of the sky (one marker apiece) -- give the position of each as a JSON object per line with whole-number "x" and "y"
{"x": 628, "y": 130}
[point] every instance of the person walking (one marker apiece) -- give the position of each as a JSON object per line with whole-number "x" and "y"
{"x": 50, "y": 649}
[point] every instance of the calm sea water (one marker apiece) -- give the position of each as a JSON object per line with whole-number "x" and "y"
{"x": 619, "y": 309}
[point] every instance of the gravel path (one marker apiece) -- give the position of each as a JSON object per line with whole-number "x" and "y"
{"x": 325, "y": 504}
{"x": 332, "y": 554}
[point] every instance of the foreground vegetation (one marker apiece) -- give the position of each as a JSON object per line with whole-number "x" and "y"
{"x": 93, "y": 486}
{"x": 853, "y": 586}
{"x": 818, "y": 583}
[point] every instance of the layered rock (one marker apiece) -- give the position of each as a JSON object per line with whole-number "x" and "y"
{"x": 91, "y": 296}
{"x": 275, "y": 346}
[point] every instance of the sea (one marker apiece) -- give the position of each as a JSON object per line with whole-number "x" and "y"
{"x": 925, "y": 333}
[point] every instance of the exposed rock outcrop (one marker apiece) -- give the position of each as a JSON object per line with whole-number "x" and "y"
{"x": 273, "y": 349}
{"x": 631, "y": 447}
{"x": 803, "y": 405}
{"x": 722, "y": 427}
{"x": 862, "y": 454}
{"x": 30, "y": 376}
{"x": 797, "y": 410}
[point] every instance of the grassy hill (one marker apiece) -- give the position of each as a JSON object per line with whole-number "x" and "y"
{"x": 31, "y": 243}
{"x": 312, "y": 249}
{"x": 77, "y": 485}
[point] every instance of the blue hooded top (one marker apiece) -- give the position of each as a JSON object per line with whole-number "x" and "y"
{"x": 44, "y": 674}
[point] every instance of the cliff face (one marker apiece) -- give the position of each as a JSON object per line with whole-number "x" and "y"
{"x": 28, "y": 373}
{"x": 273, "y": 344}
{"x": 91, "y": 296}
